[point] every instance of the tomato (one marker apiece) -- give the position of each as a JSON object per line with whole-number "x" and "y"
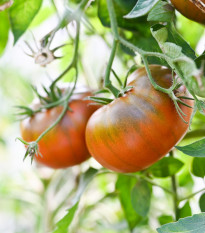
{"x": 136, "y": 130}
{"x": 190, "y": 9}
{"x": 64, "y": 145}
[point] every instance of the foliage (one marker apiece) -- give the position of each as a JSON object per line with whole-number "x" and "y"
{"x": 74, "y": 40}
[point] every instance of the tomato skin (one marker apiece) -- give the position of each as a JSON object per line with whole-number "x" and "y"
{"x": 190, "y": 10}
{"x": 64, "y": 145}
{"x": 137, "y": 129}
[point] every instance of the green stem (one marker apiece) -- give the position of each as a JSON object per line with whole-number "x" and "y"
{"x": 65, "y": 108}
{"x": 151, "y": 182}
{"x": 113, "y": 19}
{"x": 157, "y": 185}
{"x": 114, "y": 27}
{"x": 107, "y": 82}
{"x": 175, "y": 196}
{"x": 191, "y": 195}
{"x": 73, "y": 63}
{"x": 75, "y": 15}
{"x": 155, "y": 85}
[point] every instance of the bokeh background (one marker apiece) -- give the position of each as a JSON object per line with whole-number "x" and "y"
{"x": 33, "y": 198}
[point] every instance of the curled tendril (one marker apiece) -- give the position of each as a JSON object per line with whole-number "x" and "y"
{"x": 31, "y": 150}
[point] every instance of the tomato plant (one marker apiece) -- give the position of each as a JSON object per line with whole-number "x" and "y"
{"x": 139, "y": 128}
{"x": 64, "y": 145}
{"x": 147, "y": 67}
{"x": 193, "y": 10}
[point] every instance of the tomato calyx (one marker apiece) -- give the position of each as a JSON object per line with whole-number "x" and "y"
{"x": 43, "y": 55}
{"x": 32, "y": 149}
{"x": 52, "y": 99}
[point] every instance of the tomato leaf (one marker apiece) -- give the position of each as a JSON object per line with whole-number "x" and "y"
{"x": 202, "y": 202}
{"x": 196, "y": 149}
{"x": 141, "y": 197}
{"x": 185, "y": 211}
{"x": 198, "y": 167}
{"x": 4, "y": 29}
{"x": 165, "y": 167}
{"x": 171, "y": 35}
{"x": 194, "y": 224}
{"x": 21, "y": 15}
{"x": 122, "y": 7}
{"x": 141, "y": 8}
{"x": 124, "y": 185}
{"x": 164, "y": 219}
{"x": 161, "y": 12}
{"x": 63, "y": 224}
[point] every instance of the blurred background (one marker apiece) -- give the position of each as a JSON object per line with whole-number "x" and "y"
{"x": 33, "y": 198}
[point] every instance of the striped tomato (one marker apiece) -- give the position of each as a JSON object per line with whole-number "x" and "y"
{"x": 192, "y": 9}
{"x": 136, "y": 130}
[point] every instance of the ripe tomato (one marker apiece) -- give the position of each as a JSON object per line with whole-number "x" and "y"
{"x": 137, "y": 129}
{"x": 64, "y": 145}
{"x": 190, "y": 10}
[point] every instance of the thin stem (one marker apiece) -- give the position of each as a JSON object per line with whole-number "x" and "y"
{"x": 155, "y": 85}
{"x": 175, "y": 197}
{"x": 158, "y": 185}
{"x": 113, "y": 19}
{"x": 65, "y": 108}
{"x": 107, "y": 82}
{"x": 191, "y": 195}
{"x": 151, "y": 182}
{"x": 73, "y": 62}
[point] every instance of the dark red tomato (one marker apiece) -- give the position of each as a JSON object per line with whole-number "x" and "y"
{"x": 137, "y": 129}
{"x": 64, "y": 145}
{"x": 194, "y": 10}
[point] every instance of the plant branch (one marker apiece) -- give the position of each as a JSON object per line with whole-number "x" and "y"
{"x": 73, "y": 63}
{"x": 107, "y": 82}
{"x": 191, "y": 195}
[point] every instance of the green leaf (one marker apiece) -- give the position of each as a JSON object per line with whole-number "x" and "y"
{"x": 173, "y": 37}
{"x": 196, "y": 149}
{"x": 164, "y": 219}
{"x": 85, "y": 179}
{"x": 141, "y": 197}
{"x": 141, "y": 8}
{"x": 202, "y": 202}
{"x": 122, "y": 7}
{"x": 161, "y": 12}
{"x": 165, "y": 167}
{"x": 198, "y": 167}
{"x": 4, "y": 30}
{"x": 124, "y": 185}
{"x": 4, "y": 1}
{"x": 185, "y": 211}
{"x": 194, "y": 224}
{"x": 65, "y": 222}
{"x": 21, "y": 15}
